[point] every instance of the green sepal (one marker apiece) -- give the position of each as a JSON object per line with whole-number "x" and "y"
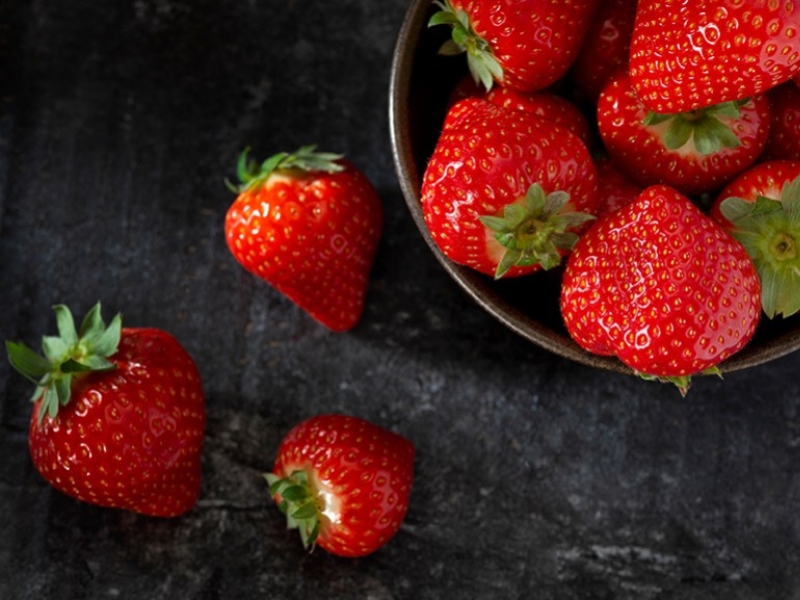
{"x": 66, "y": 356}
{"x": 702, "y": 125}
{"x": 535, "y": 229}
{"x": 306, "y": 158}
{"x": 299, "y": 502}
{"x": 483, "y": 66}
{"x": 682, "y": 382}
{"x": 769, "y": 230}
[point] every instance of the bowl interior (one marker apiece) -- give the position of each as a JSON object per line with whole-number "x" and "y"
{"x": 421, "y": 82}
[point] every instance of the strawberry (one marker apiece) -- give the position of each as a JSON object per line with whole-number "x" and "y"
{"x": 605, "y": 49}
{"x": 506, "y": 192}
{"x": 784, "y": 131}
{"x": 614, "y": 188}
{"x": 547, "y": 105}
{"x": 343, "y": 482}
{"x": 689, "y": 55}
{"x": 309, "y": 224}
{"x": 543, "y": 103}
{"x": 526, "y": 45}
{"x": 661, "y": 286}
{"x": 761, "y": 208}
{"x": 695, "y": 152}
{"x": 119, "y": 415}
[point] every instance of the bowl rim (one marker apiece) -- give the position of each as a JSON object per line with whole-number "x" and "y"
{"x": 471, "y": 282}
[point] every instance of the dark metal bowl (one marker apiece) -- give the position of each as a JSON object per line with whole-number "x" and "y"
{"x": 421, "y": 81}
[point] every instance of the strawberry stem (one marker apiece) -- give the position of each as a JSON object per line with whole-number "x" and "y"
{"x": 306, "y": 158}
{"x": 298, "y": 500}
{"x": 483, "y": 66}
{"x": 769, "y": 229}
{"x": 67, "y": 355}
{"x": 703, "y": 126}
{"x": 535, "y": 230}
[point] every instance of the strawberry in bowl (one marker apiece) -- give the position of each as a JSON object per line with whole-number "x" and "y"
{"x": 694, "y": 148}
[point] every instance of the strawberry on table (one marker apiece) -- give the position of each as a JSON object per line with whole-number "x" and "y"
{"x": 695, "y": 152}
{"x": 119, "y": 415}
{"x": 343, "y": 482}
{"x": 526, "y": 45}
{"x": 506, "y": 192}
{"x": 662, "y": 287}
{"x": 761, "y": 208}
{"x": 309, "y": 224}
{"x": 689, "y": 55}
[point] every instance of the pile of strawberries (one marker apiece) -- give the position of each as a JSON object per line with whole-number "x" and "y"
{"x": 651, "y": 149}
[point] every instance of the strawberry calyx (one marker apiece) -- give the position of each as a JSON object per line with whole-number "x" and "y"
{"x": 682, "y": 382}
{"x": 298, "y": 499}
{"x": 483, "y": 65}
{"x": 66, "y": 356}
{"x": 769, "y": 229}
{"x": 251, "y": 174}
{"x": 535, "y": 229}
{"x": 702, "y": 126}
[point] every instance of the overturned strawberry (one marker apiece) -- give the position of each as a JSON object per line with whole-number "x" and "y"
{"x": 694, "y": 152}
{"x": 761, "y": 208}
{"x": 343, "y": 483}
{"x": 506, "y": 192}
{"x": 119, "y": 416}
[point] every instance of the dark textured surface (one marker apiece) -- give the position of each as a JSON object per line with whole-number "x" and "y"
{"x": 535, "y": 477}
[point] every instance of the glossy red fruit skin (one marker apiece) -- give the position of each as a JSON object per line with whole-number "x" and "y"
{"x": 639, "y": 151}
{"x": 764, "y": 179}
{"x": 486, "y": 158}
{"x": 535, "y": 41}
{"x": 130, "y": 438}
{"x": 662, "y": 287}
{"x": 363, "y": 474}
{"x": 688, "y": 55}
{"x": 547, "y": 105}
{"x": 605, "y": 49}
{"x": 312, "y": 236}
{"x": 784, "y": 132}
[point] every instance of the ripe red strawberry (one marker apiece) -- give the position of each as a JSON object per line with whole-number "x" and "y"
{"x": 661, "y": 286}
{"x": 542, "y": 103}
{"x": 547, "y": 105}
{"x": 526, "y": 45}
{"x": 689, "y": 55}
{"x": 694, "y": 152}
{"x": 506, "y": 191}
{"x": 119, "y": 415}
{"x": 343, "y": 482}
{"x": 309, "y": 224}
{"x": 614, "y": 188}
{"x": 605, "y": 49}
{"x": 761, "y": 208}
{"x": 784, "y": 131}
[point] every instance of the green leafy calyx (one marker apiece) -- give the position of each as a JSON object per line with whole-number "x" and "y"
{"x": 535, "y": 230}
{"x": 702, "y": 126}
{"x": 66, "y": 356}
{"x": 483, "y": 66}
{"x": 251, "y": 174}
{"x": 298, "y": 500}
{"x": 769, "y": 229}
{"x": 681, "y": 382}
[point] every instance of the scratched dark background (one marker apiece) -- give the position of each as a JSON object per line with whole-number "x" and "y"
{"x": 535, "y": 477}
